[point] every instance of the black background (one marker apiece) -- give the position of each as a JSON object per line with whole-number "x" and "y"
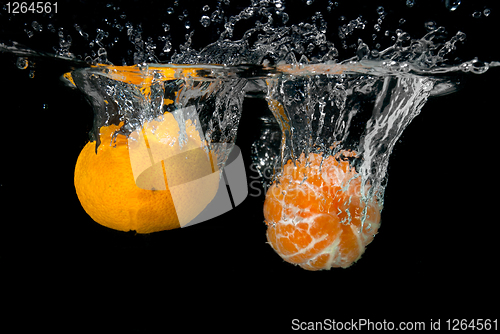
{"x": 435, "y": 256}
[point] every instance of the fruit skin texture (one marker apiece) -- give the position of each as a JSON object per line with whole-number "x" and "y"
{"x": 106, "y": 188}
{"x": 314, "y": 213}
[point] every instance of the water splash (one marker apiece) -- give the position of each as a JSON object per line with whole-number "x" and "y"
{"x": 334, "y": 80}
{"x": 136, "y": 95}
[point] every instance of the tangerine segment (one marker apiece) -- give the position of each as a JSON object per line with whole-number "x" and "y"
{"x": 315, "y": 215}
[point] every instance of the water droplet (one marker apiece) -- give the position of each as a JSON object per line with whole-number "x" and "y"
{"x": 487, "y": 12}
{"x": 22, "y": 63}
{"x": 410, "y": 3}
{"x": 29, "y": 33}
{"x": 430, "y": 25}
{"x": 285, "y": 18}
{"x": 205, "y": 21}
{"x": 45, "y": 106}
{"x": 36, "y": 26}
{"x": 170, "y": 10}
{"x": 187, "y": 25}
{"x": 217, "y": 16}
{"x": 168, "y": 46}
{"x": 377, "y": 27}
{"x": 452, "y": 5}
{"x": 309, "y": 2}
{"x": 476, "y": 14}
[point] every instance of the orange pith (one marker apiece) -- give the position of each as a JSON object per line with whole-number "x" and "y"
{"x": 314, "y": 213}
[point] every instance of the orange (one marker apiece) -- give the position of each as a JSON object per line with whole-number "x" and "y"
{"x": 126, "y": 188}
{"x": 315, "y": 213}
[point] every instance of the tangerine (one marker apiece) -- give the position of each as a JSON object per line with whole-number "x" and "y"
{"x": 125, "y": 188}
{"x": 315, "y": 215}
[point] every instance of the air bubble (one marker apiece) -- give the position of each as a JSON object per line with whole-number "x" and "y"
{"x": 170, "y": 10}
{"x": 22, "y": 63}
{"x": 381, "y": 10}
{"x": 187, "y": 25}
{"x": 487, "y": 12}
{"x": 478, "y": 67}
{"x": 166, "y": 27}
{"x": 206, "y": 8}
{"x": 476, "y": 14}
{"x": 205, "y": 21}
{"x": 410, "y": 3}
{"x": 452, "y": 5}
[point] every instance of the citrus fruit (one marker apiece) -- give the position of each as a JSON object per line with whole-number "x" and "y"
{"x": 315, "y": 215}
{"x": 149, "y": 181}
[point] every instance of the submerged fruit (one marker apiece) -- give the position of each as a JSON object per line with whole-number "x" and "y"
{"x": 315, "y": 214}
{"x": 156, "y": 188}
